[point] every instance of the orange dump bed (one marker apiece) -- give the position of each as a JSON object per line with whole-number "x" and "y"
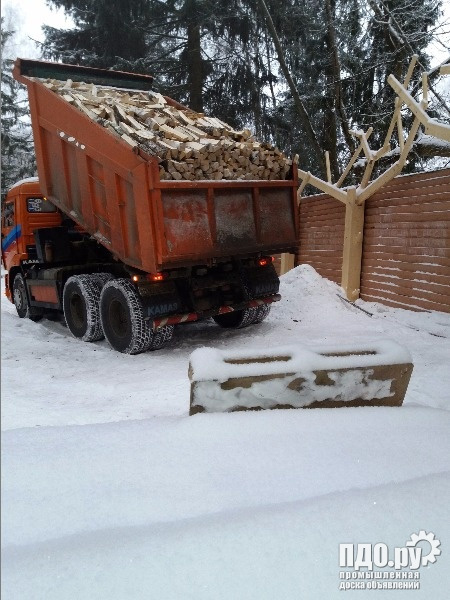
{"x": 114, "y": 192}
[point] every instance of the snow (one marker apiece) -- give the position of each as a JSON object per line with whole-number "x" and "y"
{"x": 431, "y": 140}
{"x": 27, "y": 180}
{"x": 210, "y": 363}
{"x": 296, "y": 390}
{"x": 110, "y": 489}
{"x": 421, "y": 140}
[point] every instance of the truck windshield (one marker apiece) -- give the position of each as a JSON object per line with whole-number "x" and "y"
{"x": 40, "y": 205}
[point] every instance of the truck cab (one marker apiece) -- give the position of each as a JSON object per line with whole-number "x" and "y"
{"x": 41, "y": 248}
{"x": 25, "y": 210}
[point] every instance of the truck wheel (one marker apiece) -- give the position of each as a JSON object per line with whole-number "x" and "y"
{"x": 236, "y": 319}
{"x": 20, "y": 298}
{"x": 262, "y": 312}
{"x": 122, "y": 318}
{"x": 161, "y": 336}
{"x": 103, "y": 278}
{"x": 81, "y": 304}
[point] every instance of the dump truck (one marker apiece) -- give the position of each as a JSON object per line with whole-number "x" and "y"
{"x": 101, "y": 238}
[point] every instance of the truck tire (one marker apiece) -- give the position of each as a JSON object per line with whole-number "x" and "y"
{"x": 81, "y": 305}
{"x": 236, "y": 319}
{"x": 103, "y": 278}
{"x": 122, "y": 318}
{"x": 161, "y": 336}
{"x": 20, "y": 298}
{"x": 262, "y": 312}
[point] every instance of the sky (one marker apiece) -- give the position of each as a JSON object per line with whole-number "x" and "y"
{"x": 26, "y": 17}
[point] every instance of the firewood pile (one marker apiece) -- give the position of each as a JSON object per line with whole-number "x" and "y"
{"x": 187, "y": 144}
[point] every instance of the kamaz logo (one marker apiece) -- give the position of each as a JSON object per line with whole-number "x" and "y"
{"x": 162, "y": 309}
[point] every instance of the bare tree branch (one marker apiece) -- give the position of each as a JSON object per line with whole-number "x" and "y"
{"x": 401, "y": 38}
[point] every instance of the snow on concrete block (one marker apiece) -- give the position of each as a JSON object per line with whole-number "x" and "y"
{"x": 375, "y": 374}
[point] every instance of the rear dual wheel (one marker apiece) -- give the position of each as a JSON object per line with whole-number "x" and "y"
{"x": 243, "y": 318}
{"x": 236, "y": 319}
{"x": 123, "y": 321}
{"x": 262, "y": 312}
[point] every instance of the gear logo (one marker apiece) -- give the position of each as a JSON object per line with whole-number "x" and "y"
{"x": 434, "y": 543}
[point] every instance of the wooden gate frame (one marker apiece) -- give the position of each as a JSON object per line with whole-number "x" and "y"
{"x": 354, "y": 197}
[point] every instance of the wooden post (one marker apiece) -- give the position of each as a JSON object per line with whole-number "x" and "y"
{"x": 327, "y": 163}
{"x": 287, "y": 262}
{"x": 353, "y": 239}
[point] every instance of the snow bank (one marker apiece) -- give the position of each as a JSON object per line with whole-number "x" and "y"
{"x": 288, "y": 551}
{"x": 248, "y": 505}
{"x": 60, "y": 481}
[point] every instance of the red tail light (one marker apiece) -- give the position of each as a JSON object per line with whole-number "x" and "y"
{"x": 265, "y": 260}
{"x": 156, "y": 276}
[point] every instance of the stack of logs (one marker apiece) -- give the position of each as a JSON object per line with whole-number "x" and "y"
{"x": 187, "y": 144}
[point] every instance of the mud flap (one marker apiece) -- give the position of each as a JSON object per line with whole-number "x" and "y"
{"x": 299, "y": 377}
{"x": 260, "y": 281}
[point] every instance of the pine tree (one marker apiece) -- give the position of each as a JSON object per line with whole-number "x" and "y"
{"x": 219, "y": 56}
{"x": 106, "y": 33}
{"x": 17, "y": 146}
{"x": 203, "y": 53}
{"x": 340, "y": 53}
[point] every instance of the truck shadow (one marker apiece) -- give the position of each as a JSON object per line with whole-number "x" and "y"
{"x": 186, "y": 337}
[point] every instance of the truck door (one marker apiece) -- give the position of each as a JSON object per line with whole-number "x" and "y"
{"x": 39, "y": 213}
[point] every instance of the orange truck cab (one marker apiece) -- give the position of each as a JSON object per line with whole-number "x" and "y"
{"x": 34, "y": 233}
{"x": 25, "y": 210}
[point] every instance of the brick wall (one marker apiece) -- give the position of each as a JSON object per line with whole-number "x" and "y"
{"x": 322, "y": 235}
{"x": 406, "y": 250}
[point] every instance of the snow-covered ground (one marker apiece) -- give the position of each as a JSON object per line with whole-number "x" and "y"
{"x": 111, "y": 491}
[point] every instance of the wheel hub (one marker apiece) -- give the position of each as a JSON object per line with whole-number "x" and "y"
{"x": 19, "y": 298}
{"x": 76, "y": 309}
{"x": 118, "y": 318}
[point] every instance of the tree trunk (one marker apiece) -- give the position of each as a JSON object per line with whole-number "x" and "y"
{"x": 195, "y": 70}
{"x": 335, "y": 74}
